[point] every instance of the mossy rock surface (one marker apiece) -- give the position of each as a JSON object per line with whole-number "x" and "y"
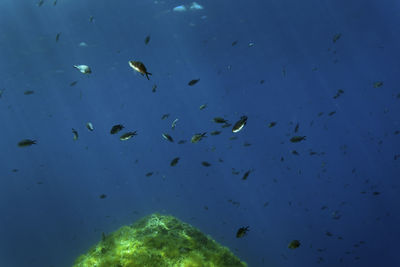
{"x": 158, "y": 240}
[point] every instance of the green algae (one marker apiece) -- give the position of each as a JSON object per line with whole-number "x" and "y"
{"x": 158, "y": 240}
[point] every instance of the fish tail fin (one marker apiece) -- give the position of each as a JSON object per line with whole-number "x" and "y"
{"x": 147, "y": 75}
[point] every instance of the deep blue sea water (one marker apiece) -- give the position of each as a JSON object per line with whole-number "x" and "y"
{"x": 337, "y": 191}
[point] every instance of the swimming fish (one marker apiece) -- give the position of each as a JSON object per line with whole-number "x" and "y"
{"x": 197, "y": 137}
{"x": 240, "y": 124}
{"x": 174, "y": 161}
{"x": 219, "y": 120}
{"x": 167, "y": 137}
{"x": 90, "y": 127}
{"x": 205, "y": 164}
{"x": 116, "y": 128}
{"x": 193, "y": 82}
{"x": 294, "y": 244}
{"x": 83, "y": 69}
{"x": 26, "y": 142}
{"x": 139, "y": 67}
{"x": 296, "y": 139}
{"x": 147, "y": 39}
{"x": 215, "y": 132}
{"x": 58, "y": 36}
{"x": 173, "y": 125}
{"x": 127, "y": 136}
{"x": 75, "y": 134}
{"x": 242, "y": 232}
{"x": 29, "y": 92}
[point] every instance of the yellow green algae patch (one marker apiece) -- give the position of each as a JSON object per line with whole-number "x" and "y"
{"x": 158, "y": 240}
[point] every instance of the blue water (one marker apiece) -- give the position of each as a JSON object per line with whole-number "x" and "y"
{"x": 341, "y": 202}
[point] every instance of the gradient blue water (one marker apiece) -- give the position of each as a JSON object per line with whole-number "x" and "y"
{"x": 49, "y": 193}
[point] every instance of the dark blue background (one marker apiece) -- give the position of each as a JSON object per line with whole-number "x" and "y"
{"x": 49, "y": 193}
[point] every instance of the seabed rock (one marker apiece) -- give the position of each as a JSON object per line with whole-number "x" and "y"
{"x": 158, "y": 240}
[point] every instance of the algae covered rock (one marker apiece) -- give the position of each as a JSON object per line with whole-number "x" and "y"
{"x": 158, "y": 240}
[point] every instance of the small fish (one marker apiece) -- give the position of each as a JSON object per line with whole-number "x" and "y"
{"x": 102, "y": 196}
{"x": 331, "y": 113}
{"x": 219, "y": 120}
{"x": 205, "y": 164}
{"x": 246, "y": 175}
{"x": 149, "y": 174}
{"x": 147, "y": 39}
{"x": 242, "y": 232}
{"x": 75, "y": 134}
{"x": 40, "y": 3}
{"x": 294, "y": 152}
{"x": 26, "y": 142}
{"x": 167, "y": 137}
{"x": 226, "y": 125}
{"x": 154, "y": 88}
{"x": 139, "y": 67}
{"x": 327, "y": 233}
{"x": 196, "y": 6}
{"x": 296, "y": 128}
{"x": 83, "y": 69}
{"x": 234, "y": 43}
{"x": 116, "y": 128}
{"x": 378, "y": 84}
{"x": 296, "y": 139}
{"x": 91, "y": 18}
{"x": 29, "y": 92}
{"x": 58, "y": 36}
{"x": 294, "y": 244}
{"x": 336, "y": 37}
{"x": 251, "y": 44}
{"x": 164, "y": 116}
{"x": 203, "y": 106}
{"x": 240, "y": 124}
{"x": 235, "y": 172}
{"x": 127, "y": 136}
{"x": 215, "y": 133}
{"x": 338, "y": 93}
{"x": 180, "y": 8}
{"x": 174, "y": 161}
{"x": 336, "y": 215}
{"x": 235, "y": 203}
{"x": 197, "y": 137}
{"x": 193, "y": 82}
{"x": 173, "y": 125}
{"x": 73, "y": 83}
{"x": 180, "y": 142}
{"x": 272, "y": 124}
{"x": 55, "y": 2}
{"x": 89, "y": 126}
